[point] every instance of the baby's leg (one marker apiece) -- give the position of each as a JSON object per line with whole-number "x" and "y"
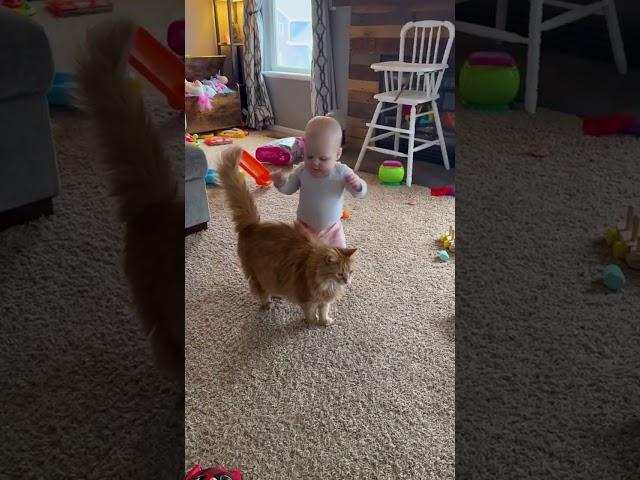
{"x": 334, "y": 235}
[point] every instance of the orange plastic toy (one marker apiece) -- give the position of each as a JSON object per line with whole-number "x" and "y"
{"x": 254, "y": 168}
{"x": 158, "y": 65}
{"x": 345, "y": 214}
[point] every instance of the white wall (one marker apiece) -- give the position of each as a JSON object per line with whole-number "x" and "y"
{"x": 199, "y": 28}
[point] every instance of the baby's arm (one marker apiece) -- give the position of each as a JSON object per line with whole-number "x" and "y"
{"x": 353, "y": 183}
{"x": 289, "y": 184}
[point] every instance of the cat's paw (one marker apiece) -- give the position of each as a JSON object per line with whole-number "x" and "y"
{"x": 266, "y": 305}
{"x": 325, "y": 322}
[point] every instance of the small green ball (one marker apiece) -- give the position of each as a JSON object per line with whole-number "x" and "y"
{"x": 443, "y": 255}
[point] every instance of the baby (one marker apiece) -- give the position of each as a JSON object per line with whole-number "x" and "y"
{"x": 321, "y": 181}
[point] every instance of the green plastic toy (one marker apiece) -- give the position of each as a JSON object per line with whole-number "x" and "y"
{"x": 489, "y": 81}
{"x": 391, "y": 173}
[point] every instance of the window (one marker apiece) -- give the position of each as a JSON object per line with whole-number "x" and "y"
{"x": 288, "y": 38}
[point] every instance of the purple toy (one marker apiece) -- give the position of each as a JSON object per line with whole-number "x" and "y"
{"x": 175, "y": 37}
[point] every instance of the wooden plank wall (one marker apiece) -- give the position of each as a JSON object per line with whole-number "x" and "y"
{"x": 375, "y": 31}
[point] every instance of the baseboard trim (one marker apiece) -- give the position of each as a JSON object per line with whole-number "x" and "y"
{"x": 26, "y": 213}
{"x": 291, "y": 132}
{"x": 195, "y": 228}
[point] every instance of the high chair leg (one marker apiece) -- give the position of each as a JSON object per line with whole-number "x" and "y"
{"x": 367, "y": 138}
{"x": 443, "y": 145}
{"x": 412, "y": 136}
{"x": 396, "y": 141}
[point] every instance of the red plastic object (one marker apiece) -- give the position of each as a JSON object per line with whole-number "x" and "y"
{"x": 599, "y": 126}
{"x": 213, "y": 141}
{"x": 157, "y": 64}
{"x": 442, "y": 191}
{"x": 253, "y": 167}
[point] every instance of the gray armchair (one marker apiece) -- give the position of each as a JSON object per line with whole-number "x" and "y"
{"x": 28, "y": 171}
{"x": 196, "y": 205}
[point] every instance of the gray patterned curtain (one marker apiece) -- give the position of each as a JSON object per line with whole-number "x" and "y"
{"x": 259, "y": 109}
{"x": 323, "y": 80}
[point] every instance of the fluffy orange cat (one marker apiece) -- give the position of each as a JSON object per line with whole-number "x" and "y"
{"x": 150, "y": 202}
{"x": 284, "y": 260}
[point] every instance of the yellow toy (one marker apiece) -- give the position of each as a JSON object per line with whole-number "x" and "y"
{"x": 448, "y": 240}
{"x": 233, "y": 133}
{"x": 624, "y": 240}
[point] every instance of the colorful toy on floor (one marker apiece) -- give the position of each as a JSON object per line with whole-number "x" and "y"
{"x": 60, "y": 92}
{"x": 214, "y": 141}
{"x": 282, "y": 151}
{"x": 391, "y": 173}
{"x": 611, "y": 125}
{"x": 442, "y": 191}
{"x": 255, "y": 169}
{"x": 193, "y": 139}
{"x": 624, "y": 240}
{"x": 613, "y": 277}
{"x": 448, "y": 240}
{"x": 159, "y": 65}
{"x": 66, "y": 8}
{"x": 443, "y": 255}
{"x": 345, "y": 214}
{"x": 420, "y": 120}
{"x": 489, "y": 81}
{"x": 21, "y": 7}
{"x": 211, "y": 177}
{"x": 216, "y": 473}
{"x": 233, "y": 133}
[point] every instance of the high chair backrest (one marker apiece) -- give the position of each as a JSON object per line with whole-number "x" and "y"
{"x": 428, "y": 38}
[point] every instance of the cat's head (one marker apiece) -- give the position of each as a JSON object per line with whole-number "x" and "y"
{"x": 337, "y": 265}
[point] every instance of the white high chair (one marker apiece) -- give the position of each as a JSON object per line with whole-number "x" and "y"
{"x": 424, "y": 72}
{"x": 538, "y": 25}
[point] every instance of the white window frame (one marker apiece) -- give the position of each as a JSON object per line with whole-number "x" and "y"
{"x": 269, "y": 52}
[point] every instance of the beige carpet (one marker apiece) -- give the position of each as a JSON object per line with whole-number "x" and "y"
{"x": 79, "y": 390}
{"x": 371, "y": 395}
{"x": 546, "y": 357}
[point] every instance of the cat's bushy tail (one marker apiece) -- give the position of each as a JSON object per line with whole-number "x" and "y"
{"x": 141, "y": 174}
{"x": 243, "y": 207}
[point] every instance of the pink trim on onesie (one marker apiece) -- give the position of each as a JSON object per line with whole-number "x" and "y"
{"x": 334, "y": 235}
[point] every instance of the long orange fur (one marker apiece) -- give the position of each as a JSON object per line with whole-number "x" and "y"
{"x": 281, "y": 259}
{"x": 149, "y": 201}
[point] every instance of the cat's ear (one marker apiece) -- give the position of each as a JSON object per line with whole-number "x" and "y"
{"x": 347, "y": 252}
{"x": 331, "y": 258}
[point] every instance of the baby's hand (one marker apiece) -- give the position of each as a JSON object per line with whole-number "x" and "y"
{"x": 277, "y": 178}
{"x": 353, "y": 181}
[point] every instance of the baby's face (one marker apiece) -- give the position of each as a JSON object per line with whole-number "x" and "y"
{"x": 320, "y": 156}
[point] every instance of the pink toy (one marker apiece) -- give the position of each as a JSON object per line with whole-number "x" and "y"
{"x": 493, "y": 59}
{"x": 281, "y": 152}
